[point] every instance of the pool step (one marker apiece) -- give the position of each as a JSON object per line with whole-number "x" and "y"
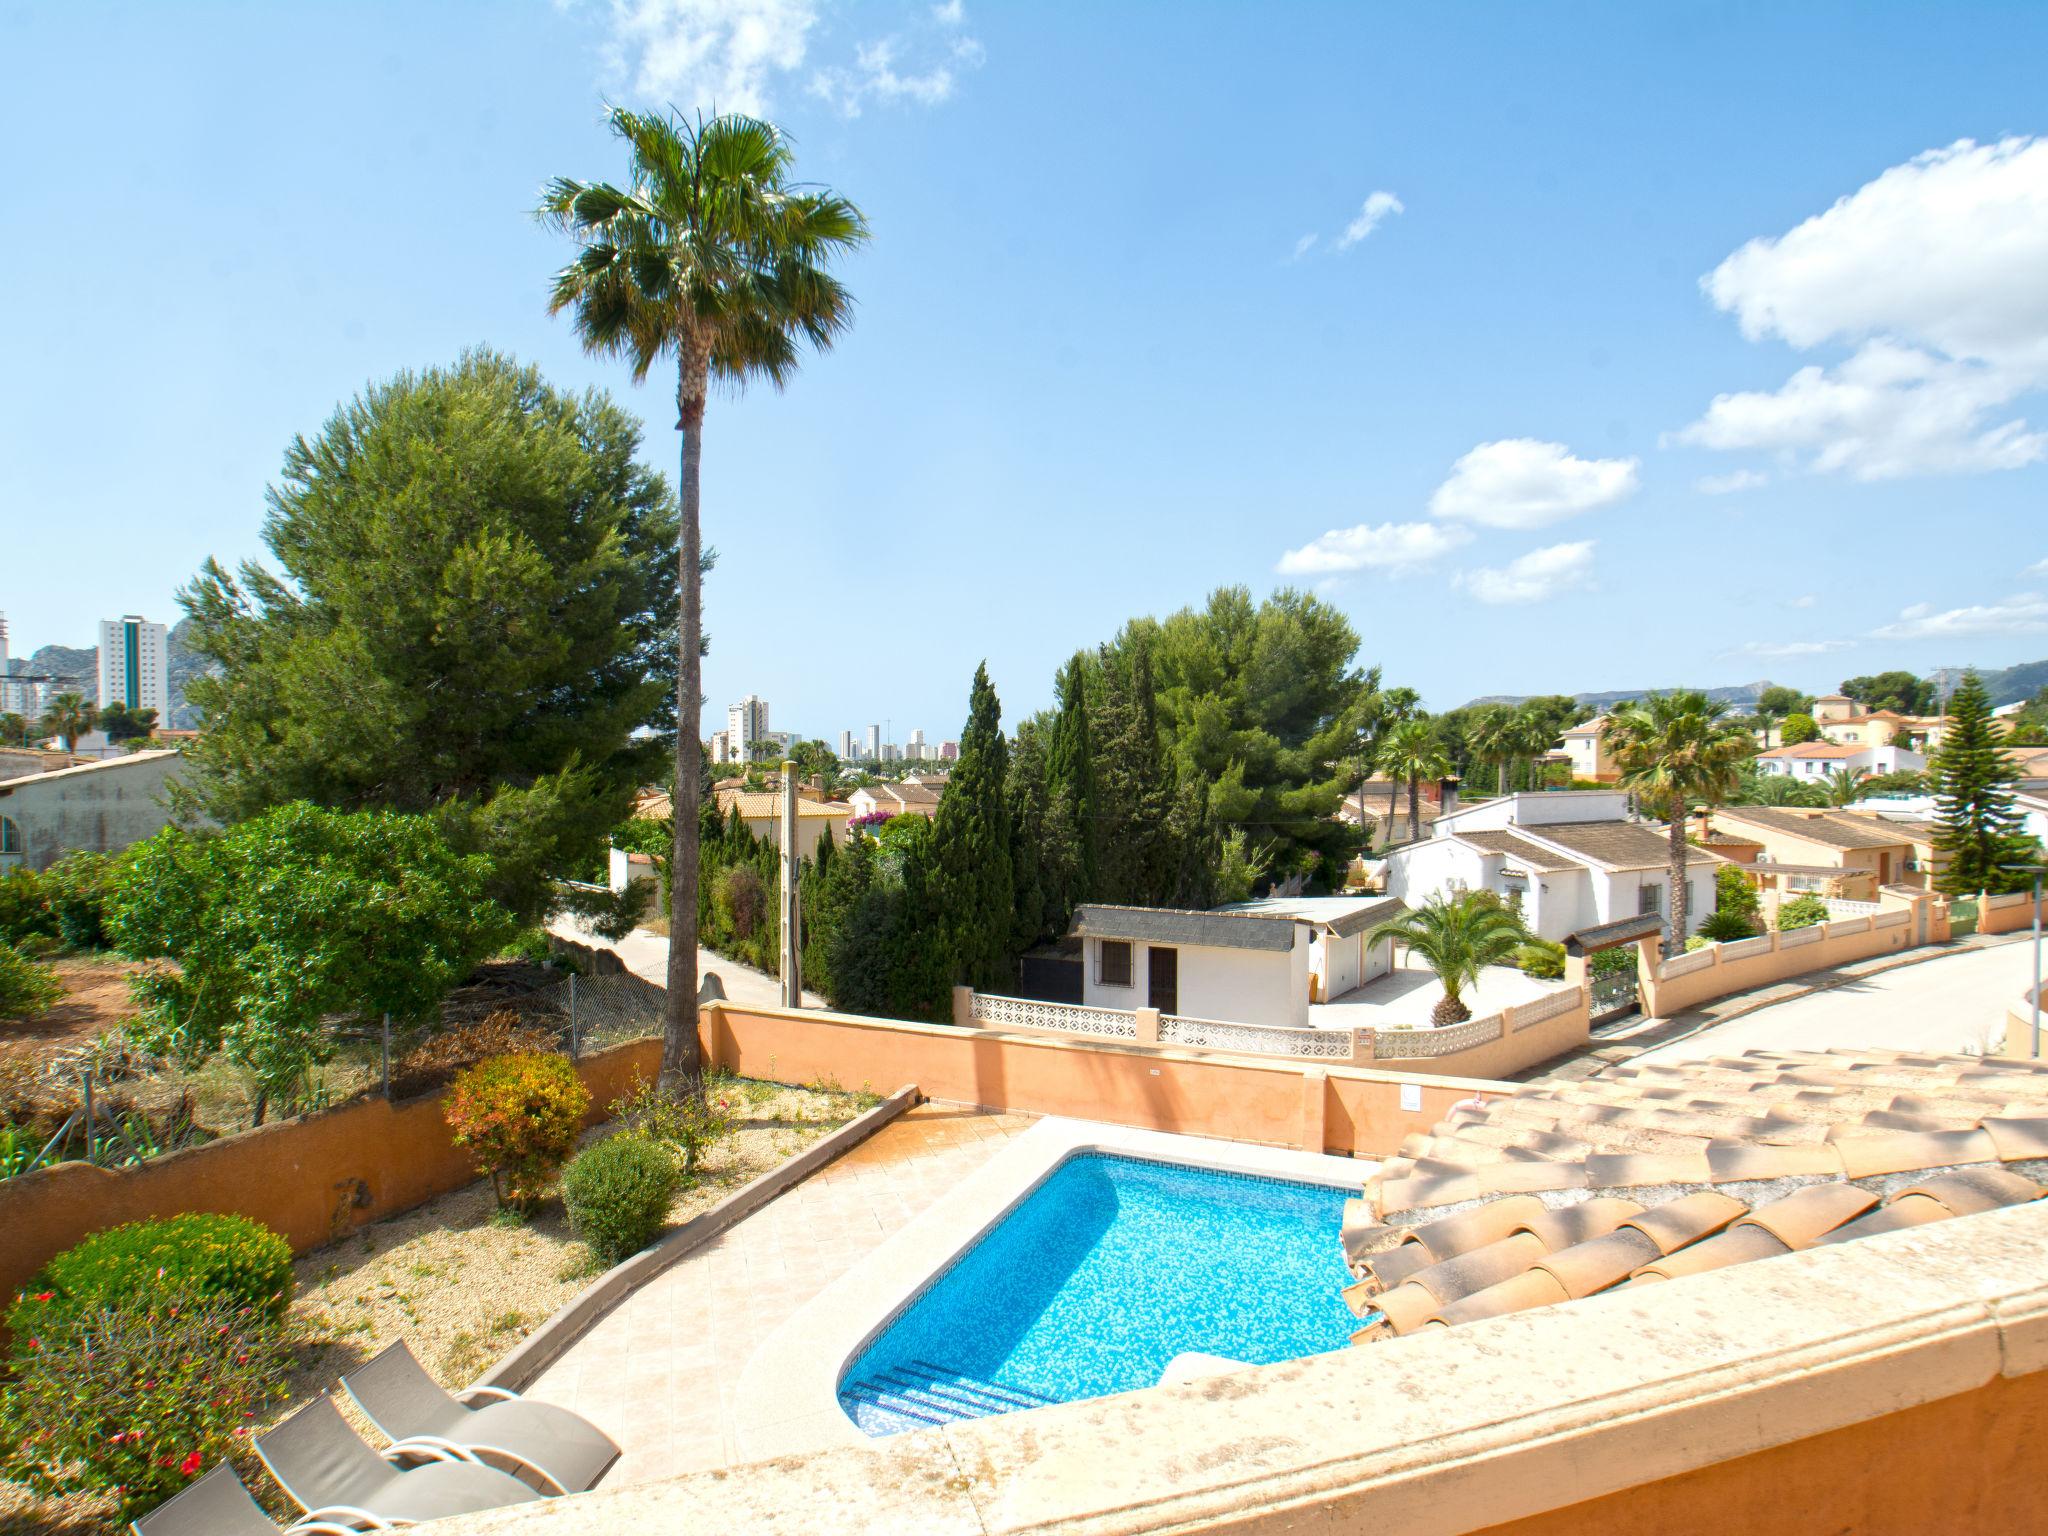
{"x": 916, "y": 1393}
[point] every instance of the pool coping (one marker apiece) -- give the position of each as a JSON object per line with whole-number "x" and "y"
{"x": 787, "y": 1399}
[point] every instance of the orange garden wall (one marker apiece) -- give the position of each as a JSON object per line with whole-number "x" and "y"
{"x": 317, "y": 1179}
{"x": 313, "y": 1180}
{"x": 1909, "y": 919}
{"x": 2008, "y": 914}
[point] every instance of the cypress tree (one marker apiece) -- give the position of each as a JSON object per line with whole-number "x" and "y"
{"x": 971, "y": 872}
{"x": 1070, "y": 796}
{"x": 1026, "y": 791}
{"x": 1131, "y": 832}
{"x": 1976, "y": 823}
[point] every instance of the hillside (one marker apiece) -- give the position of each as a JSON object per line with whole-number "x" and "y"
{"x": 2006, "y": 685}
{"x": 1742, "y": 696}
{"x": 77, "y": 669}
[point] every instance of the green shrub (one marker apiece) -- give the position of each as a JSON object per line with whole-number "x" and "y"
{"x": 26, "y": 988}
{"x": 1724, "y": 926}
{"x": 25, "y": 909}
{"x": 687, "y": 1124}
{"x": 519, "y": 1115}
{"x": 1801, "y": 912}
{"x": 82, "y": 886}
{"x": 199, "y": 1255}
{"x": 618, "y": 1194}
{"x": 1541, "y": 958}
{"x": 137, "y": 1396}
{"x": 1619, "y": 961}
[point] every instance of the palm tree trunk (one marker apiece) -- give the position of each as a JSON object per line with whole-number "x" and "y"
{"x": 1674, "y": 939}
{"x": 1501, "y": 766}
{"x": 1414, "y": 808}
{"x": 1393, "y": 800}
{"x": 682, "y": 1055}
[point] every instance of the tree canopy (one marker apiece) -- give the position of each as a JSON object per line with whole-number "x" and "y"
{"x": 1900, "y": 692}
{"x": 473, "y": 615}
{"x": 1976, "y": 823}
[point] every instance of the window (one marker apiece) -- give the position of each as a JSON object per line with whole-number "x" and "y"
{"x": 1113, "y": 963}
{"x": 10, "y": 836}
{"x": 1649, "y": 898}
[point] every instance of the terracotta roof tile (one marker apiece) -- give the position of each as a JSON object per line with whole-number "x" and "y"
{"x": 1576, "y": 1223}
{"x": 1455, "y": 1279}
{"x": 1969, "y": 1190}
{"x": 1606, "y": 1170}
{"x": 1738, "y": 1245}
{"x": 2017, "y": 1138}
{"x": 1686, "y": 1220}
{"x": 1906, "y": 1151}
{"x": 1906, "y": 1211}
{"x": 1531, "y": 1288}
{"x": 1761, "y": 1160}
{"x": 1389, "y": 1269}
{"x": 1531, "y": 1178}
{"x": 1599, "y": 1262}
{"x": 1406, "y": 1307}
{"x": 1801, "y": 1218}
{"x": 1473, "y": 1229}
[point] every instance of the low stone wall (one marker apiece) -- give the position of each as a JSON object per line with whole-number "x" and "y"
{"x": 313, "y": 1179}
{"x": 1318, "y": 1106}
{"x": 1685, "y": 981}
{"x": 1497, "y": 1046}
{"x": 2019, "y": 1026}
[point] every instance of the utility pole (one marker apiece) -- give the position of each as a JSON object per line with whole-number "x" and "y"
{"x": 792, "y": 910}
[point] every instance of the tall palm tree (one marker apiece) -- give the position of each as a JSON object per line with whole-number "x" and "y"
{"x": 68, "y": 715}
{"x": 1530, "y": 733}
{"x": 711, "y": 255}
{"x": 1490, "y": 735}
{"x": 1412, "y": 752}
{"x": 1844, "y": 787}
{"x": 1674, "y": 749}
{"x": 1457, "y": 937}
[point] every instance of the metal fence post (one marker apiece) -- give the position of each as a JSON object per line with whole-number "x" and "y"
{"x": 572, "y": 1016}
{"x": 387, "y": 1055}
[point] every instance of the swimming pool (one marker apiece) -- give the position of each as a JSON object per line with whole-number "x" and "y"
{"x": 1100, "y": 1276}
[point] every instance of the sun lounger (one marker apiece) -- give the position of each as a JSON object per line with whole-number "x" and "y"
{"x": 218, "y": 1505}
{"x": 325, "y": 1466}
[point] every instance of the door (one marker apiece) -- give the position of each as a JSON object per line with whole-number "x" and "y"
{"x": 1162, "y": 979}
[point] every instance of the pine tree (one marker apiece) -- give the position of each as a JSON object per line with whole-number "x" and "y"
{"x": 971, "y": 845}
{"x": 1132, "y": 832}
{"x": 1976, "y": 823}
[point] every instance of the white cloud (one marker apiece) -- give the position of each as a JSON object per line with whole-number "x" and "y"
{"x": 1393, "y": 547}
{"x": 1936, "y": 273}
{"x": 732, "y": 55}
{"x": 2038, "y": 568}
{"x": 1303, "y": 246}
{"x": 1728, "y": 485}
{"x": 2026, "y": 613}
{"x": 1530, "y": 578}
{"x": 705, "y": 54}
{"x": 1521, "y": 483}
{"x": 1804, "y": 600}
{"x": 1377, "y": 207}
{"x": 1791, "y": 647}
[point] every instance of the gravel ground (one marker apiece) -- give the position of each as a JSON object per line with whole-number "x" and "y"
{"x": 463, "y": 1286}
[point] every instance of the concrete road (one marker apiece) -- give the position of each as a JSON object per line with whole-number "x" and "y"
{"x": 1956, "y": 1003}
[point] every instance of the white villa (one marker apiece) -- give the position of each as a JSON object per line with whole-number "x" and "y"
{"x": 1815, "y": 760}
{"x": 1572, "y": 859}
{"x": 1255, "y": 962}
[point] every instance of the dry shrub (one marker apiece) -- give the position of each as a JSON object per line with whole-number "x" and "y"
{"x": 435, "y": 1061}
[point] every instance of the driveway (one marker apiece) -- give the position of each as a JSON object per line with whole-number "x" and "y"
{"x": 1956, "y": 1003}
{"x": 645, "y": 954}
{"x": 1406, "y": 994}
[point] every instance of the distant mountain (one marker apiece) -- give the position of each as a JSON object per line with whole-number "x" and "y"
{"x": 1742, "y": 696}
{"x": 184, "y": 664}
{"x": 2007, "y": 685}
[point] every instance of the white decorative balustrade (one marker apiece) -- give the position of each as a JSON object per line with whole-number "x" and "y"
{"x": 1549, "y": 1006}
{"x": 1255, "y": 1039}
{"x": 1426, "y": 1044}
{"x": 1066, "y": 1018}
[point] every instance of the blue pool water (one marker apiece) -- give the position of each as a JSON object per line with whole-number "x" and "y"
{"x": 1097, "y": 1279}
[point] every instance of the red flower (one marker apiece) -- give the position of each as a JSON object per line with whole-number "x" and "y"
{"x": 191, "y": 1464}
{"x": 46, "y": 1296}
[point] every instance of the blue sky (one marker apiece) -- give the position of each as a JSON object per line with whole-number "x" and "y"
{"x": 1099, "y": 367}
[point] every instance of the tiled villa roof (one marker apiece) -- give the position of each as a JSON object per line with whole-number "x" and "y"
{"x": 1649, "y": 1174}
{"x": 1616, "y": 844}
{"x": 1519, "y": 850}
{"x": 1805, "y": 749}
{"x": 1165, "y": 925}
{"x": 1832, "y": 831}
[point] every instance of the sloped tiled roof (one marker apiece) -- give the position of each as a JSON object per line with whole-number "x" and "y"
{"x": 1617, "y": 844}
{"x": 1827, "y": 749}
{"x": 1650, "y": 1174}
{"x": 1534, "y": 855}
{"x": 1831, "y": 831}
{"x": 1168, "y": 925}
{"x": 758, "y": 804}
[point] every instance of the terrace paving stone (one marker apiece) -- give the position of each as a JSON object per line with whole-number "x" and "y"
{"x": 659, "y": 1371}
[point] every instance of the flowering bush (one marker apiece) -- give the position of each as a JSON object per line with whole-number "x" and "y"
{"x": 618, "y": 1194}
{"x": 688, "y": 1125}
{"x": 136, "y": 1397}
{"x": 198, "y": 1256}
{"x": 519, "y": 1115}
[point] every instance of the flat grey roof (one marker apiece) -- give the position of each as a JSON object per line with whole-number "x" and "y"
{"x": 1342, "y": 915}
{"x": 1165, "y": 925}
